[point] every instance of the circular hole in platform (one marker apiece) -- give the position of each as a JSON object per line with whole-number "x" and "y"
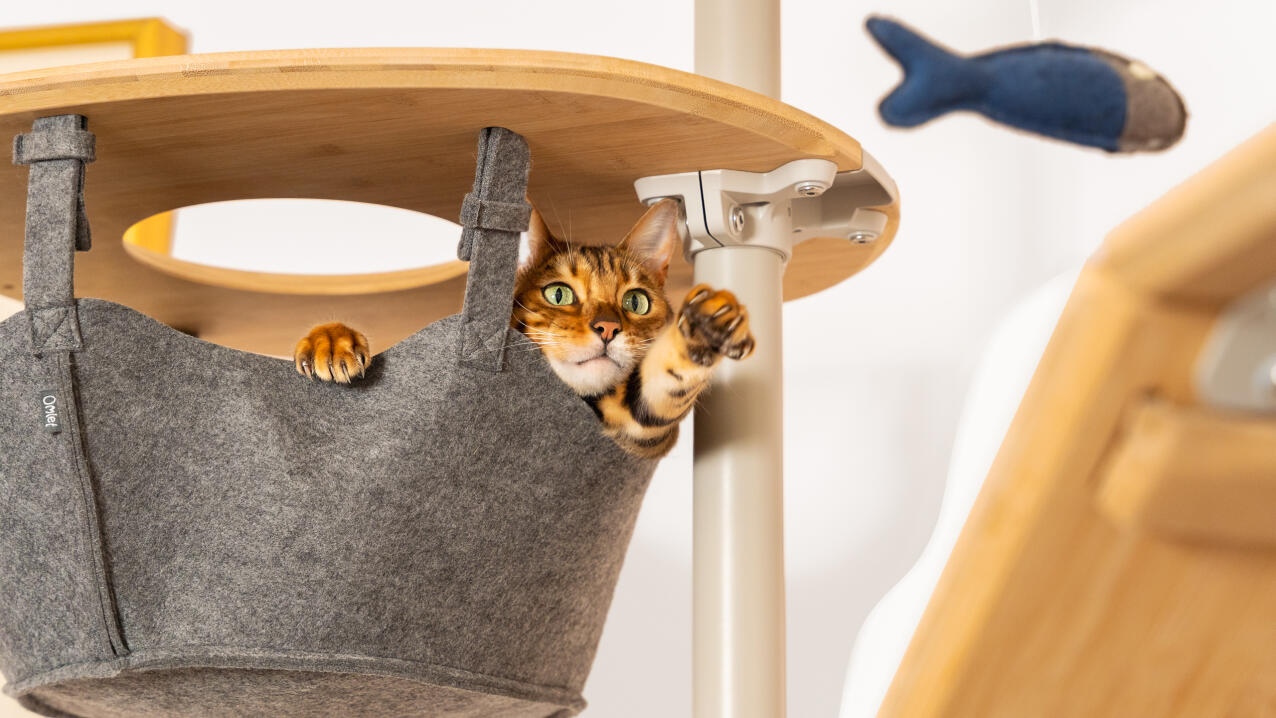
{"x": 277, "y": 245}
{"x": 311, "y": 236}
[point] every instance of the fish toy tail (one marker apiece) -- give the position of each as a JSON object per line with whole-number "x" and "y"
{"x": 936, "y": 80}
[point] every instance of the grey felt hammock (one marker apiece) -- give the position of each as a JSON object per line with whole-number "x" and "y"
{"x": 190, "y": 530}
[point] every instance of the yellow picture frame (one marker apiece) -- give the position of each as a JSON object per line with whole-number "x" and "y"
{"x": 148, "y": 37}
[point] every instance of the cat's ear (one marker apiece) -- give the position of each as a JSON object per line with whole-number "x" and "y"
{"x": 655, "y": 238}
{"x": 540, "y": 243}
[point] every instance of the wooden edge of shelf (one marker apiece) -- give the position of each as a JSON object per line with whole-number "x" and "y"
{"x": 1194, "y": 473}
{"x": 176, "y": 75}
{"x": 1211, "y": 238}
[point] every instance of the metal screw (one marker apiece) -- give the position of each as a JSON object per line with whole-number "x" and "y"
{"x": 737, "y": 219}
{"x": 810, "y": 189}
{"x": 862, "y": 236}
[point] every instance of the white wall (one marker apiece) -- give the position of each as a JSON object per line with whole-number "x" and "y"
{"x": 876, "y": 369}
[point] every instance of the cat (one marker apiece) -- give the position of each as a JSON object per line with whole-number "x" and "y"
{"x": 601, "y": 319}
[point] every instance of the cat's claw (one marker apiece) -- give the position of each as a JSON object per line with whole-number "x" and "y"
{"x": 715, "y": 324}
{"x": 332, "y": 352}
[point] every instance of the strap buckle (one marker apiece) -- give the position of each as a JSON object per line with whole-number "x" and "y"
{"x": 479, "y": 213}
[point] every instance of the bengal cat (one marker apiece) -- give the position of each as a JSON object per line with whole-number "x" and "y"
{"x": 601, "y": 319}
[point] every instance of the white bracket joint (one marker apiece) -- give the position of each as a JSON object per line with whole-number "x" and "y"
{"x": 776, "y": 209}
{"x": 1237, "y": 366}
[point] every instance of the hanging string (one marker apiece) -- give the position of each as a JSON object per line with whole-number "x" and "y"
{"x": 1035, "y": 13}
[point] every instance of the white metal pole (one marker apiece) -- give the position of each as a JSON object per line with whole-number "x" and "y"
{"x": 738, "y": 587}
{"x": 738, "y": 41}
{"x": 738, "y": 659}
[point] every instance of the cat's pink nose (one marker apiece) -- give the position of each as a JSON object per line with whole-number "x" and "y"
{"x": 607, "y": 330}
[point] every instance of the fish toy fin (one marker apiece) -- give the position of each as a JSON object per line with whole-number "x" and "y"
{"x": 936, "y": 80}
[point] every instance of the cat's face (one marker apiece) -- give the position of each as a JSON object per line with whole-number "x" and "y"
{"x": 594, "y": 310}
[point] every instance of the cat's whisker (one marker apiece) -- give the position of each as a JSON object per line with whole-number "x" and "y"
{"x": 545, "y": 339}
{"x": 554, "y": 208}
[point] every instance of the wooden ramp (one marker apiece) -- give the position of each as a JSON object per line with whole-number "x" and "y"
{"x": 1121, "y": 559}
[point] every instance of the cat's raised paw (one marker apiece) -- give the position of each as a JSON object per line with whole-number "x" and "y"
{"x": 715, "y": 324}
{"x": 332, "y": 352}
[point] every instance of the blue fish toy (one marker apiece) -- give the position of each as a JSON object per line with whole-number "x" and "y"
{"x": 1084, "y": 95}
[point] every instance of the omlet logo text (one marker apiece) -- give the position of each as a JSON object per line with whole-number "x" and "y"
{"x": 50, "y": 411}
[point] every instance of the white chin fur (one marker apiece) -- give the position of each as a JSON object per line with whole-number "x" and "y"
{"x": 593, "y": 377}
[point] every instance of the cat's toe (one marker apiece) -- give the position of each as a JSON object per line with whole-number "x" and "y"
{"x": 718, "y": 321}
{"x": 332, "y": 352}
{"x": 737, "y": 339}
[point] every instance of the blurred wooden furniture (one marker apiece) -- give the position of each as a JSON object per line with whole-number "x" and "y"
{"x": 45, "y": 46}
{"x": 38, "y": 48}
{"x": 378, "y": 123}
{"x": 1121, "y": 559}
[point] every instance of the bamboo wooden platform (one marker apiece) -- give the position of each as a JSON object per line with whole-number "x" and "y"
{"x": 392, "y": 126}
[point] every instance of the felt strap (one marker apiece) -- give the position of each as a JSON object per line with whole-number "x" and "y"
{"x": 490, "y": 214}
{"x": 493, "y": 215}
{"x": 57, "y": 149}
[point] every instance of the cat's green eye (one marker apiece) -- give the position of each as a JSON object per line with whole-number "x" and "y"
{"x": 636, "y": 301}
{"x": 559, "y": 294}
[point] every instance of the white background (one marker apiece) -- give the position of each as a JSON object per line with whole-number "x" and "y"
{"x": 877, "y": 369}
